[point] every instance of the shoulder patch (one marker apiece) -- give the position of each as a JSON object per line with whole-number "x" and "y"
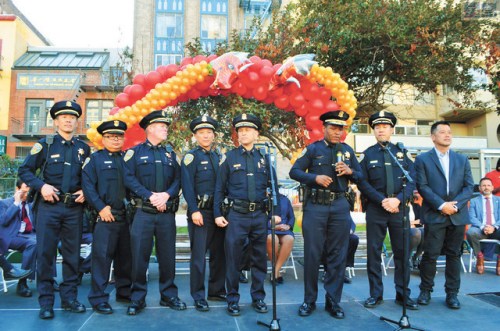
{"x": 87, "y": 160}
{"x": 128, "y": 155}
{"x": 304, "y": 151}
{"x": 188, "y": 159}
{"x": 222, "y": 159}
{"x": 361, "y": 157}
{"x": 36, "y": 148}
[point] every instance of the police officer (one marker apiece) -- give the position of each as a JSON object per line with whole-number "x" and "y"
{"x": 243, "y": 179}
{"x": 105, "y": 179}
{"x": 60, "y": 209}
{"x": 383, "y": 189}
{"x": 156, "y": 168}
{"x": 324, "y": 169}
{"x": 199, "y": 169}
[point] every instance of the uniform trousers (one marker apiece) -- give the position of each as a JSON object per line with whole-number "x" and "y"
{"x": 378, "y": 220}
{"x": 111, "y": 244}
{"x": 58, "y": 222}
{"x": 442, "y": 238}
{"x": 242, "y": 226}
{"x": 144, "y": 228}
{"x": 208, "y": 237}
{"x": 325, "y": 227}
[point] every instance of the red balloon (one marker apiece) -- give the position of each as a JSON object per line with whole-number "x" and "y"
{"x": 248, "y": 94}
{"x": 114, "y": 110}
{"x": 297, "y": 100}
{"x": 331, "y": 105}
{"x": 282, "y": 101}
{"x": 183, "y": 98}
{"x": 291, "y": 88}
{"x": 251, "y": 79}
{"x": 170, "y": 71}
{"x": 324, "y": 94}
{"x": 316, "y": 106}
{"x": 136, "y": 92}
{"x": 213, "y": 92}
{"x": 193, "y": 94}
{"x": 199, "y": 58}
{"x": 277, "y": 93}
{"x": 239, "y": 88}
{"x": 255, "y": 59}
{"x": 267, "y": 63}
{"x": 139, "y": 79}
{"x": 134, "y": 136}
{"x": 211, "y": 57}
{"x": 185, "y": 61}
{"x": 312, "y": 122}
{"x": 122, "y": 100}
{"x": 260, "y": 92}
{"x": 127, "y": 88}
{"x": 266, "y": 72}
{"x": 311, "y": 92}
{"x": 153, "y": 78}
{"x": 302, "y": 110}
{"x": 343, "y": 135}
{"x": 269, "y": 100}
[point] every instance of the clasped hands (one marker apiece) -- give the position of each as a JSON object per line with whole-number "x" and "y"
{"x": 159, "y": 200}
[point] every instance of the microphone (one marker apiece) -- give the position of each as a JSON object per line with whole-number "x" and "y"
{"x": 384, "y": 143}
{"x": 339, "y": 156}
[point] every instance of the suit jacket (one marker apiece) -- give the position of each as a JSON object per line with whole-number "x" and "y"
{"x": 476, "y": 212}
{"x": 10, "y": 221}
{"x": 431, "y": 184}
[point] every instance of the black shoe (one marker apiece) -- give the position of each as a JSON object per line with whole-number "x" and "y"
{"x": 73, "y": 306}
{"x": 334, "y": 309}
{"x": 123, "y": 298}
{"x": 424, "y": 297}
{"x": 173, "y": 302}
{"x": 280, "y": 280}
{"x": 216, "y": 297}
{"x": 307, "y": 309}
{"x": 410, "y": 304}
{"x": 15, "y": 273}
{"x": 201, "y": 305}
{"x": 259, "y": 306}
{"x": 347, "y": 280}
{"x": 372, "y": 302}
{"x": 79, "y": 280}
{"x": 452, "y": 301}
{"x": 135, "y": 307}
{"x": 46, "y": 313}
{"x": 103, "y": 308}
{"x": 243, "y": 278}
{"x": 55, "y": 286}
{"x": 233, "y": 309}
{"x": 23, "y": 290}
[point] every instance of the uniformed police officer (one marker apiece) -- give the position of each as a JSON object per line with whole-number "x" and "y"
{"x": 324, "y": 169}
{"x": 156, "y": 168}
{"x": 60, "y": 210}
{"x": 199, "y": 169}
{"x": 243, "y": 179}
{"x": 105, "y": 179}
{"x": 383, "y": 189}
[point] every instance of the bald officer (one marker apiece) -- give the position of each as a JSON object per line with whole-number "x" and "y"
{"x": 384, "y": 190}
{"x": 155, "y": 167}
{"x": 324, "y": 168}
{"x": 199, "y": 169}
{"x": 243, "y": 179}
{"x": 60, "y": 211}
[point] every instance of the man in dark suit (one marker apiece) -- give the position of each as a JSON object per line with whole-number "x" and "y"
{"x": 19, "y": 232}
{"x": 484, "y": 213}
{"x": 444, "y": 180}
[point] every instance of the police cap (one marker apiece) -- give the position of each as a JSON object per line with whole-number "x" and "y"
{"x": 247, "y": 120}
{"x": 382, "y": 117}
{"x": 203, "y": 122}
{"x": 157, "y": 116}
{"x": 335, "y": 117}
{"x": 113, "y": 127}
{"x": 65, "y": 107}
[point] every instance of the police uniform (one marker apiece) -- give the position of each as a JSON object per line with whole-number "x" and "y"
{"x": 154, "y": 165}
{"x": 377, "y": 166}
{"x": 243, "y": 179}
{"x": 199, "y": 169}
{"x": 326, "y": 219}
{"x": 62, "y": 220}
{"x": 105, "y": 180}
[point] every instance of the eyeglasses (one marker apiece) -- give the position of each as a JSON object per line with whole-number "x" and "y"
{"x": 116, "y": 138}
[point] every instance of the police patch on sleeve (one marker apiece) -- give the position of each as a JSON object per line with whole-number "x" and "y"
{"x": 222, "y": 159}
{"x": 128, "y": 155}
{"x": 361, "y": 157}
{"x": 188, "y": 159}
{"x": 87, "y": 160}
{"x": 36, "y": 149}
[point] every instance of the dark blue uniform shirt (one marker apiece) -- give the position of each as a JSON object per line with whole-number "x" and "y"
{"x": 53, "y": 173}
{"x": 199, "y": 170}
{"x": 232, "y": 180}
{"x": 373, "y": 167}
{"x": 100, "y": 180}
{"x": 141, "y": 162}
{"x": 319, "y": 158}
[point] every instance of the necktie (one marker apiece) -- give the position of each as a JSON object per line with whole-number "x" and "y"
{"x": 159, "y": 178}
{"x": 26, "y": 219}
{"x": 488, "y": 212}
{"x": 120, "y": 189}
{"x": 250, "y": 176}
{"x": 388, "y": 173}
{"x": 67, "y": 168}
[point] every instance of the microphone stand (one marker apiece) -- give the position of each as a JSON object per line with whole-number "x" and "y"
{"x": 275, "y": 323}
{"x": 404, "y": 321}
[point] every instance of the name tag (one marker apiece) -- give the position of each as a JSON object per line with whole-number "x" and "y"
{"x": 105, "y": 162}
{"x": 55, "y": 155}
{"x": 374, "y": 161}
{"x": 144, "y": 157}
{"x": 236, "y": 165}
{"x": 204, "y": 162}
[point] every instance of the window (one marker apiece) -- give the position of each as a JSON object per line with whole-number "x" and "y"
{"x": 37, "y": 115}
{"x": 22, "y": 152}
{"x": 165, "y": 59}
{"x": 97, "y": 110}
{"x": 169, "y": 25}
{"x": 213, "y": 27}
{"x": 358, "y": 127}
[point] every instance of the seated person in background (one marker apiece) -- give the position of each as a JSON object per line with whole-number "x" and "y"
{"x": 18, "y": 231}
{"x": 284, "y": 237}
{"x": 494, "y": 175}
{"x": 10, "y": 272}
{"x": 416, "y": 230}
{"x": 484, "y": 213}
{"x": 351, "y": 251}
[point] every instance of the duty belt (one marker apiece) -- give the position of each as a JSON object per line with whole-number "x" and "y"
{"x": 321, "y": 196}
{"x": 245, "y": 206}
{"x": 147, "y": 207}
{"x": 67, "y": 198}
{"x": 205, "y": 202}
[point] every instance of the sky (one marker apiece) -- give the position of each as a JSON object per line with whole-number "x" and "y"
{"x": 82, "y": 23}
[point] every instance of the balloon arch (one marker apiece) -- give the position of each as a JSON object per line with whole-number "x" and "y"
{"x": 299, "y": 84}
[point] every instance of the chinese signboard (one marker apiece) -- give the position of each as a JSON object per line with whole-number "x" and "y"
{"x": 3, "y": 145}
{"x": 47, "y": 81}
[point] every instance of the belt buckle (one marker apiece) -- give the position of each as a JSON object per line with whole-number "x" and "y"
{"x": 332, "y": 196}
{"x": 251, "y": 206}
{"x": 67, "y": 198}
